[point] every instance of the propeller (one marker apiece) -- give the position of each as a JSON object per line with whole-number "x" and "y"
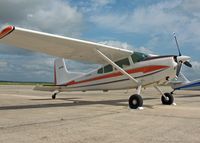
{"x": 188, "y": 64}
{"x": 181, "y": 59}
{"x": 178, "y": 68}
{"x": 179, "y": 52}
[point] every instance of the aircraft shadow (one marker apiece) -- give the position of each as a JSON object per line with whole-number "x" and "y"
{"x": 188, "y": 96}
{"x": 49, "y": 99}
{"x": 118, "y": 102}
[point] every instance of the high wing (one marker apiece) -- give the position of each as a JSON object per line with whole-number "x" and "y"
{"x": 60, "y": 46}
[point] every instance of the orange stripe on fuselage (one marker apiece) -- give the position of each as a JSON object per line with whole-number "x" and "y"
{"x": 131, "y": 71}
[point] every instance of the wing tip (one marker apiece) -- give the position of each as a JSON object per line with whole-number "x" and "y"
{"x": 7, "y": 30}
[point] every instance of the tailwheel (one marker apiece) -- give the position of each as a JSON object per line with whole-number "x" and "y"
{"x": 135, "y": 101}
{"x": 54, "y": 96}
{"x": 168, "y": 99}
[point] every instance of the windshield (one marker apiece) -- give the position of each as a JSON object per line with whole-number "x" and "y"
{"x": 138, "y": 57}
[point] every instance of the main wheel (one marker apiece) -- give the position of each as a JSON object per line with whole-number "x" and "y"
{"x": 168, "y": 99}
{"x": 135, "y": 101}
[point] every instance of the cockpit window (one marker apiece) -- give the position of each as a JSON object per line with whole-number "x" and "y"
{"x": 123, "y": 63}
{"x": 105, "y": 69}
{"x": 100, "y": 71}
{"x": 138, "y": 57}
{"x": 108, "y": 68}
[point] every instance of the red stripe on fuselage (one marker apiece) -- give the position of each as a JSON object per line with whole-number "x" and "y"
{"x": 131, "y": 71}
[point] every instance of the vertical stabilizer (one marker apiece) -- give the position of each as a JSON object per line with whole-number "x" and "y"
{"x": 61, "y": 75}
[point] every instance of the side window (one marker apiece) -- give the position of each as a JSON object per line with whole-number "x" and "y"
{"x": 108, "y": 68}
{"x": 105, "y": 69}
{"x": 137, "y": 57}
{"x": 123, "y": 63}
{"x": 100, "y": 71}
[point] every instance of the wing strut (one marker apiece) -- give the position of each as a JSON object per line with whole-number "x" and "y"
{"x": 118, "y": 68}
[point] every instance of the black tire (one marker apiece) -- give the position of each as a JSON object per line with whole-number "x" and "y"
{"x": 135, "y": 101}
{"x": 54, "y": 96}
{"x": 168, "y": 99}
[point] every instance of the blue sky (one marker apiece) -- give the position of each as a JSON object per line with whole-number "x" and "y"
{"x": 142, "y": 25}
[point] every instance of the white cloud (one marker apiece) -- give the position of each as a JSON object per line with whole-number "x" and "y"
{"x": 196, "y": 65}
{"x": 95, "y": 6}
{"x": 191, "y": 6}
{"x": 152, "y": 19}
{"x": 101, "y": 3}
{"x": 127, "y": 46}
{"x": 47, "y": 15}
{"x": 118, "y": 44}
{"x": 37, "y": 67}
{"x": 160, "y": 18}
{"x": 57, "y": 17}
{"x": 145, "y": 50}
{"x": 60, "y": 19}
{"x": 194, "y": 72}
{"x": 142, "y": 19}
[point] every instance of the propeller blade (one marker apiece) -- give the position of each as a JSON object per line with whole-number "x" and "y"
{"x": 179, "y": 52}
{"x": 188, "y": 64}
{"x": 178, "y": 68}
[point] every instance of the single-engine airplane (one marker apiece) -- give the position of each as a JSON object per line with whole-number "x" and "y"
{"x": 121, "y": 68}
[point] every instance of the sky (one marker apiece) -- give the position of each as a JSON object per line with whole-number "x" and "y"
{"x": 139, "y": 25}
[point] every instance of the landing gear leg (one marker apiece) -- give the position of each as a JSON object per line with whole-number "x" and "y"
{"x": 166, "y": 98}
{"x": 54, "y": 94}
{"x": 135, "y": 100}
{"x": 172, "y": 92}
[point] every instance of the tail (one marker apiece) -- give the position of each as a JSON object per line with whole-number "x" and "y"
{"x": 61, "y": 74}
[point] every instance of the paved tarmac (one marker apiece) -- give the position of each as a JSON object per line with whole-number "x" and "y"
{"x": 95, "y": 117}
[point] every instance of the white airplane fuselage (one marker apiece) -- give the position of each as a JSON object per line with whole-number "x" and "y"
{"x": 149, "y": 71}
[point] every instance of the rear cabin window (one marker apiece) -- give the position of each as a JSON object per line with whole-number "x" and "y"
{"x": 123, "y": 63}
{"x": 137, "y": 57}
